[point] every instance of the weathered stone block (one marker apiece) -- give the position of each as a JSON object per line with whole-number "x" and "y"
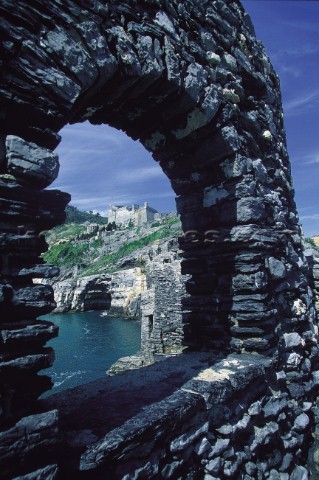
{"x": 169, "y": 470}
{"x": 47, "y": 473}
{"x": 250, "y": 210}
{"x": 21, "y": 332}
{"x": 219, "y": 447}
{"x": 276, "y": 268}
{"x": 264, "y": 435}
{"x": 274, "y": 407}
{"x": 299, "y": 473}
{"x": 187, "y": 439}
{"x": 30, "y": 163}
{"x": 202, "y": 447}
{"x": 215, "y": 466}
{"x": 301, "y": 422}
{"x": 292, "y": 340}
{"x": 31, "y": 435}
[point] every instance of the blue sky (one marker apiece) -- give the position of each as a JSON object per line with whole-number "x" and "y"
{"x": 100, "y": 165}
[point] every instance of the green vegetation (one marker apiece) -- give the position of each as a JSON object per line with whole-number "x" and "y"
{"x": 312, "y": 242}
{"x": 155, "y": 224}
{"x": 74, "y": 215}
{"x": 70, "y": 254}
{"x": 71, "y": 245}
{"x": 65, "y": 232}
{"x": 106, "y": 262}
{"x": 65, "y": 254}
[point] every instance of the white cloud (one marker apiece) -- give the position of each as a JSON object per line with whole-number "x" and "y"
{"x": 305, "y": 26}
{"x": 85, "y": 132}
{"x": 300, "y": 161}
{"x": 140, "y": 174}
{"x": 87, "y": 200}
{"x": 314, "y": 216}
{"x": 290, "y": 70}
{"x": 298, "y": 51}
{"x": 301, "y": 103}
{"x": 312, "y": 159}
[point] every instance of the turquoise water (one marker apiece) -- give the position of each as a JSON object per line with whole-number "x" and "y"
{"x": 87, "y": 345}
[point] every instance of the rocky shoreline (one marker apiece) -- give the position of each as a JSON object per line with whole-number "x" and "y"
{"x": 141, "y": 288}
{"x": 138, "y": 286}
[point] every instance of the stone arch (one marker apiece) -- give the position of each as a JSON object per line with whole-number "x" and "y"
{"x": 190, "y": 81}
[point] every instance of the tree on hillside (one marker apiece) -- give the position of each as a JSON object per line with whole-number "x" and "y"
{"x": 74, "y": 215}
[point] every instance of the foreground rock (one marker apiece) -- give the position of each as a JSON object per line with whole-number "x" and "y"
{"x": 192, "y": 83}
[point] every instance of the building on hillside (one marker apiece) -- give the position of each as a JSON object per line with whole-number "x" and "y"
{"x": 134, "y": 214}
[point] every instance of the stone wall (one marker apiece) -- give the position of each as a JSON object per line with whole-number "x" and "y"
{"x": 312, "y": 256}
{"x": 134, "y": 214}
{"x": 230, "y": 421}
{"x": 207, "y": 419}
{"x": 161, "y": 304}
{"x": 192, "y": 83}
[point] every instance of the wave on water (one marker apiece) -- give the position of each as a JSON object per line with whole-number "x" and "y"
{"x": 86, "y": 347}
{"x": 59, "y": 379}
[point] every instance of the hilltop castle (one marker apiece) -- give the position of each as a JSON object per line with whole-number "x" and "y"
{"x": 123, "y": 215}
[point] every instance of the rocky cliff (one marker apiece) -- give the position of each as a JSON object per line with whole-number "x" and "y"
{"x": 138, "y": 274}
{"x": 192, "y": 83}
{"x": 118, "y": 293}
{"x": 82, "y": 294}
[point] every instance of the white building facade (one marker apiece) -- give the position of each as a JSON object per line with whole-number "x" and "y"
{"x": 134, "y": 214}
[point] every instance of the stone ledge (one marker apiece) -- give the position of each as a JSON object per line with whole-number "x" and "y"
{"x": 22, "y": 444}
{"x": 142, "y": 411}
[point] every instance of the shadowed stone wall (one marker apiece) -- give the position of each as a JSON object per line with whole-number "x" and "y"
{"x": 190, "y": 81}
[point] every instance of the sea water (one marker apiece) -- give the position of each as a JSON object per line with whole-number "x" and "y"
{"x": 87, "y": 345}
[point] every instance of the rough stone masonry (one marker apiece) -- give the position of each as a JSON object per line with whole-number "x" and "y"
{"x": 191, "y": 82}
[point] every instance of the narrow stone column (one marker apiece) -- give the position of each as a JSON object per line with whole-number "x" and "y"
{"x": 27, "y": 212}
{"x": 191, "y": 82}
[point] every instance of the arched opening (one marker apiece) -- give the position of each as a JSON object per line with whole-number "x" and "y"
{"x": 191, "y": 82}
{"x": 100, "y": 165}
{"x": 112, "y": 271}
{"x": 212, "y": 119}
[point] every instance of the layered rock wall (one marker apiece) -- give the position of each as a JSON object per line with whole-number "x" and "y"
{"x": 191, "y": 82}
{"x": 126, "y": 288}
{"x": 223, "y": 423}
{"x": 82, "y": 294}
{"x": 118, "y": 293}
{"x": 152, "y": 293}
{"x": 161, "y": 304}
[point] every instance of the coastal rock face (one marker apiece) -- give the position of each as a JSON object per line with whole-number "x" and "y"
{"x": 126, "y": 288}
{"x": 119, "y": 293}
{"x": 152, "y": 293}
{"x": 192, "y": 83}
{"x": 82, "y": 294}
